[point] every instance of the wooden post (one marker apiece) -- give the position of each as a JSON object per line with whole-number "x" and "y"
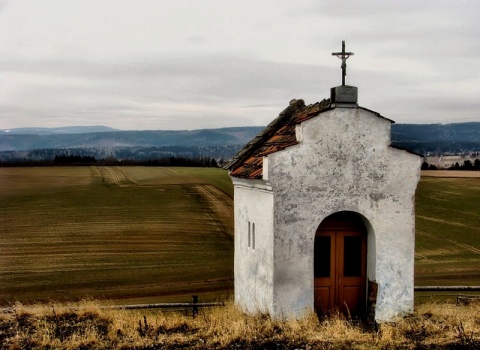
{"x": 194, "y": 306}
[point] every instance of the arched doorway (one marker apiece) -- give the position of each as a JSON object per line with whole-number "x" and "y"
{"x": 340, "y": 264}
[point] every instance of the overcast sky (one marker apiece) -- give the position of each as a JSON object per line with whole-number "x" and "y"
{"x": 178, "y": 64}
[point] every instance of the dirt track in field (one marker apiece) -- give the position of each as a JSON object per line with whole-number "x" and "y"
{"x": 220, "y": 203}
{"x": 446, "y": 222}
{"x": 451, "y": 173}
{"x": 467, "y": 247}
{"x": 115, "y": 176}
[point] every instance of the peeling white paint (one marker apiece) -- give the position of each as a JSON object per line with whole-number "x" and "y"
{"x": 342, "y": 163}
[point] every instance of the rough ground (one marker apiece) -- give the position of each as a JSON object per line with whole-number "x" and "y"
{"x": 433, "y": 326}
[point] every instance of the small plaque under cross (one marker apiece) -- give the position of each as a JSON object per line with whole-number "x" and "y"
{"x": 343, "y": 55}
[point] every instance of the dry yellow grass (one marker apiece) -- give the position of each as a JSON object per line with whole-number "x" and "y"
{"x": 87, "y": 326}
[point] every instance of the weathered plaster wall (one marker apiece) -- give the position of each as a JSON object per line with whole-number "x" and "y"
{"x": 253, "y": 264}
{"x": 344, "y": 162}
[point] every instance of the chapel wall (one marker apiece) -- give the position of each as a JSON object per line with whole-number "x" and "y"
{"x": 344, "y": 162}
{"x": 253, "y": 260}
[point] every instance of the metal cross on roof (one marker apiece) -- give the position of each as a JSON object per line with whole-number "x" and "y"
{"x": 343, "y": 55}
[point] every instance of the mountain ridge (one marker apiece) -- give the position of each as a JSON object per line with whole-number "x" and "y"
{"x": 145, "y": 138}
{"x": 57, "y": 130}
{"x": 42, "y": 143}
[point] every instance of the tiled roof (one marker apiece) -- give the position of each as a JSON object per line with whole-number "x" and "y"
{"x": 278, "y": 135}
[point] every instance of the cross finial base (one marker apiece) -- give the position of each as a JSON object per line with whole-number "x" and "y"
{"x": 344, "y": 96}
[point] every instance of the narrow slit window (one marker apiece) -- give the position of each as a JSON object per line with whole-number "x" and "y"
{"x": 249, "y": 235}
{"x": 253, "y": 236}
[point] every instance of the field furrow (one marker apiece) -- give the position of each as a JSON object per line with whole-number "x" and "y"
{"x": 448, "y": 231}
{"x": 136, "y": 233}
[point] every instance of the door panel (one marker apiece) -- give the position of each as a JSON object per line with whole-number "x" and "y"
{"x": 340, "y": 269}
{"x": 351, "y": 275}
{"x": 323, "y": 298}
{"x": 324, "y": 271}
{"x": 350, "y": 301}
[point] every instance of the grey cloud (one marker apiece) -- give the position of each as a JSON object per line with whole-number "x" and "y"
{"x": 130, "y": 87}
{"x": 126, "y": 90}
{"x": 414, "y": 61}
{"x": 200, "y": 79}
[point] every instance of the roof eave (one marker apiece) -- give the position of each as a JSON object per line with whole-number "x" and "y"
{"x": 266, "y": 133}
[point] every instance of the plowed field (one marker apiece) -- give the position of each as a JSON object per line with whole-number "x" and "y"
{"x": 448, "y": 230}
{"x": 143, "y": 234}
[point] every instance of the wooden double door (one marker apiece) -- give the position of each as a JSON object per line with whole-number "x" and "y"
{"x": 340, "y": 264}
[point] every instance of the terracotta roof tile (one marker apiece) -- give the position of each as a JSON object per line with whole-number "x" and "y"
{"x": 278, "y": 135}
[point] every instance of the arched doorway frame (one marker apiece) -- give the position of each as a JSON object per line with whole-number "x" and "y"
{"x": 370, "y": 268}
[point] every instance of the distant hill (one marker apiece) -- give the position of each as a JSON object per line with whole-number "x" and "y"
{"x": 101, "y": 141}
{"x": 16, "y": 146}
{"x": 53, "y": 131}
{"x": 437, "y": 138}
{"x": 465, "y": 132}
{"x": 18, "y": 141}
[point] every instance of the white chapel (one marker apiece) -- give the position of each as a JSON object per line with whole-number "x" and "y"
{"x": 324, "y": 211}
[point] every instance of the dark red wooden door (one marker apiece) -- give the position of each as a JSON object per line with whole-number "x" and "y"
{"x": 340, "y": 266}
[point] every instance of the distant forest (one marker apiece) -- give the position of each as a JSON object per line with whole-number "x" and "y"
{"x": 79, "y": 146}
{"x": 159, "y": 156}
{"x": 467, "y": 165}
{"x": 75, "y": 160}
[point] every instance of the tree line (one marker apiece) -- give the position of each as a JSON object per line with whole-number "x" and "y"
{"x": 76, "y": 160}
{"x": 467, "y": 165}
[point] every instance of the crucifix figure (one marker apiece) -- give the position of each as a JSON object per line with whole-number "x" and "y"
{"x": 343, "y": 55}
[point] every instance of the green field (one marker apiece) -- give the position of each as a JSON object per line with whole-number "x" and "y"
{"x": 149, "y": 234}
{"x": 136, "y": 233}
{"x": 448, "y": 231}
